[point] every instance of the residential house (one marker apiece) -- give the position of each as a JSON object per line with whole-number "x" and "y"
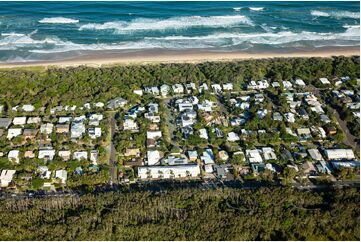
{"x": 80, "y": 155}
{"x": 232, "y": 137}
{"x": 34, "y": 120}
{"x": 77, "y": 130}
{"x": 339, "y": 154}
{"x": 95, "y": 132}
{"x": 315, "y": 154}
{"x": 62, "y": 128}
{"x": 164, "y": 90}
{"x": 207, "y": 157}
{"x": 216, "y": 88}
{"x": 269, "y": 153}
{"x": 62, "y": 175}
{"x": 254, "y": 156}
{"x": 13, "y": 156}
{"x": 166, "y": 172}
{"x": 324, "y": 81}
{"x": 5, "y": 123}
{"x": 117, "y": 102}
{"x": 228, "y": 87}
{"x": 19, "y": 121}
{"x": 192, "y": 155}
{"x": 14, "y": 132}
{"x": 28, "y": 108}
{"x": 153, "y": 157}
{"x": 30, "y": 133}
{"x": 46, "y": 128}
{"x": 6, "y": 177}
{"x": 203, "y": 134}
{"x": 46, "y": 153}
{"x": 178, "y": 88}
{"x": 94, "y": 156}
{"x": 64, "y": 154}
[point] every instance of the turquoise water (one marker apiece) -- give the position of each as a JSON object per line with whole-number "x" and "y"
{"x": 32, "y": 31}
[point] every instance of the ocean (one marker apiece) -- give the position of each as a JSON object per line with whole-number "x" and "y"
{"x": 42, "y": 31}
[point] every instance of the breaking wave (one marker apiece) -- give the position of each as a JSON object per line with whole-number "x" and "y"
{"x": 146, "y": 24}
{"x": 256, "y": 9}
{"x": 336, "y": 14}
{"x": 58, "y": 20}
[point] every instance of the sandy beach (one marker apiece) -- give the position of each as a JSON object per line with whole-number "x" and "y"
{"x": 156, "y": 56}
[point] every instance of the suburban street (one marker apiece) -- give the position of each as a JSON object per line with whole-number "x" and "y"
{"x": 350, "y": 138}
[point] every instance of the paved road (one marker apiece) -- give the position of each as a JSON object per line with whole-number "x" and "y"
{"x": 350, "y": 138}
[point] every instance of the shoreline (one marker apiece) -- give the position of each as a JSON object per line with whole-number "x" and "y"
{"x": 168, "y": 56}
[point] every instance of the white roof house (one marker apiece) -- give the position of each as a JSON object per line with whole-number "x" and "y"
{"x": 166, "y": 172}
{"x": 164, "y": 90}
{"x": 77, "y": 129}
{"x": 99, "y": 104}
{"x": 206, "y": 106}
{"x": 14, "y": 156}
{"x": 94, "y": 119}
{"x": 287, "y": 85}
{"x": 269, "y": 153}
{"x": 64, "y": 120}
{"x": 6, "y": 177}
{"x": 324, "y": 81}
{"x": 46, "y": 128}
{"x": 178, "y": 88}
{"x": 62, "y": 175}
{"x": 95, "y": 132}
{"x": 185, "y": 106}
{"x": 300, "y": 82}
{"x": 208, "y": 168}
{"x": 339, "y": 154}
{"x": 153, "y": 156}
{"x": 315, "y": 154}
{"x": 228, "y": 87}
{"x": 65, "y": 154}
{"x": 232, "y": 136}
{"x": 28, "y": 108}
{"x": 154, "y": 134}
{"x": 192, "y": 155}
{"x": 34, "y": 120}
{"x": 254, "y": 156}
{"x": 80, "y": 155}
{"x": 130, "y": 124}
{"x": 14, "y": 132}
{"x": 94, "y": 156}
{"x": 46, "y": 153}
{"x": 152, "y": 90}
{"x": 19, "y": 121}
{"x": 203, "y": 134}
{"x": 216, "y": 88}
{"x": 207, "y": 157}
{"x": 290, "y": 117}
{"x": 139, "y": 92}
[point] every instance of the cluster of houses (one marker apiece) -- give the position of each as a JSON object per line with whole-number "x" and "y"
{"x": 223, "y": 117}
{"x": 37, "y": 137}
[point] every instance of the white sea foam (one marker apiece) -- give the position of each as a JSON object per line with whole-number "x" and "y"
{"x": 319, "y": 13}
{"x": 12, "y": 34}
{"x": 58, "y": 20}
{"x": 53, "y": 44}
{"x": 145, "y": 24}
{"x": 237, "y": 9}
{"x": 336, "y": 14}
{"x": 256, "y": 9}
